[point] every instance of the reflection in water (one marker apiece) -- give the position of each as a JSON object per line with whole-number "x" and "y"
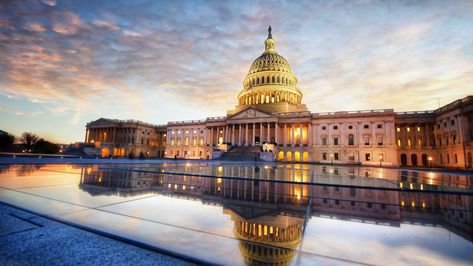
{"x": 269, "y": 217}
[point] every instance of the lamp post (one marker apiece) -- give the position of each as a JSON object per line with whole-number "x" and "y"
{"x": 430, "y": 161}
{"x": 380, "y": 160}
{"x": 331, "y": 158}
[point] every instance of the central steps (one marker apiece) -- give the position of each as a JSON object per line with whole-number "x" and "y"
{"x": 243, "y": 153}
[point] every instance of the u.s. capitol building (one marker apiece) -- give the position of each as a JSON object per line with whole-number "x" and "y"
{"x": 271, "y": 123}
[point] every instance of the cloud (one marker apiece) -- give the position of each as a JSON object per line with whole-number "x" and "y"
{"x": 105, "y": 24}
{"x": 67, "y": 23}
{"x": 132, "y": 33}
{"x": 35, "y": 27}
{"x": 49, "y": 2}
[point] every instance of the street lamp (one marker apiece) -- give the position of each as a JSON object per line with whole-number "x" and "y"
{"x": 331, "y": 158}
{"x": 430, "y": 161}
{"x": 380, "y": 160}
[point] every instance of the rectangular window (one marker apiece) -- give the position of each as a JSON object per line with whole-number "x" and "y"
{"x": 367, "y": 157}
{"x": 350, "y": 127}
{"x": 335, "y": 141}
{"x": 380, "y": 126}
{"x": 324, "y": 127}
{"x": 335, "y": 127}
{"x": 380, "y": 141}
{"x": 324, "y": 141}
{"x": 456, "y": 158}
{"x": 335, "y": 156}
{"x": 366, "y": 126}
{"x": 367, "y": 140}
{"x": 370, "y": 205}
{"x": 324, "y": 156}
{"x": 398, "y": 129}
{"x": 337, "y": 202}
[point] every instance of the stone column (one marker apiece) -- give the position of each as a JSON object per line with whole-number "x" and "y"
{"x": 246, "y": 134}
{"x": 211, "y": 136}
{"x": 253, "y": 141}
{"x": 292, "y": 134}
{"x": 269, "y": 133}
{"x": 233, "y": 134}
{"x": 261, "y": 132}
{"x": 309, "y": 135}
{"x": 427, "y": 135}
{"x": 301, "y": 135}
{"x": 285, "y": 134}
{"x": 239, "y": 135}
{"x": 276, "y": 133}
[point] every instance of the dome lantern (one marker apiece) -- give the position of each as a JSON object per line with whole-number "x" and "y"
{"x": 269, "y": 43}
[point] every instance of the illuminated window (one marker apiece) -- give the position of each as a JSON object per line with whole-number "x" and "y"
{"x": 409, "y": 142}
{"x": 408, "y": 129}
{"x": 418, "y": 128}
{"x": 399, "y": 143}
{"x": 398, "y": 129}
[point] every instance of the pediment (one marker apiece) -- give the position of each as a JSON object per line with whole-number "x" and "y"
{"x": 250, "y": 113}
{"x": 101, "y": 122}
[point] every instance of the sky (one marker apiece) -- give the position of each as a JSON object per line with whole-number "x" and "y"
{"x": 65, "y": 63}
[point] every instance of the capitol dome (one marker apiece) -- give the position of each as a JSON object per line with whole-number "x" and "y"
{"x": 270, "y": 84}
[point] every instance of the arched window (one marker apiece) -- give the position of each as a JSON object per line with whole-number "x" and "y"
{"x": 267, "y": 79}
{"x": 279, "y": 80}
{"x": 273, "y": 79}
{"x": 351, "y": 139}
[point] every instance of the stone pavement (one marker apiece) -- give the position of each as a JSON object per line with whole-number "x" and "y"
{"x": 28, "y": 239}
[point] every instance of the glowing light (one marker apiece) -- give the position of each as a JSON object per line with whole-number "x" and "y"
{"x": 219, "y": 180}
{"x": 175, "y": 186}
{"x": 169, "y": 185}
{"x": 184, "y": 187}
{"x": 411, "y": 186}
{"x": 402, "y": 203}
{"x": 298, "y": 195}
{"x": 89, "y": 170}
{"x": 400, "y": 185}
{"x": 421, "y": 186}
{"x": 423, "y": 205}
{"x": 413, "y": 204}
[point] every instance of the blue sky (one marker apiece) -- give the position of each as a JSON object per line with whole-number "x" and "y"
{"x": 64, "y": 63}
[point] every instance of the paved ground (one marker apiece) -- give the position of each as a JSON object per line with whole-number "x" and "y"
{"x": 27, "y": 239}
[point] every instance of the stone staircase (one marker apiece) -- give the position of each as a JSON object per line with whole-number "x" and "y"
{"x": 242, "y": 154}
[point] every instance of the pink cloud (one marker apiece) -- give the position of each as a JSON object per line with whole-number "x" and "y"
{"x": 67, "y": 23}
{"x": 105, "y": 24}
{"x": 35, "y": 27}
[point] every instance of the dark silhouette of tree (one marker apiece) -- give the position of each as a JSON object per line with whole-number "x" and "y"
{"x": 44, "y": 146}
{"x": 28, "y": 140}
{"x": 6, "y": 142}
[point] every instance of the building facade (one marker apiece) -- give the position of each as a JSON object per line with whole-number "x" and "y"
{"x": 271, "y": 120}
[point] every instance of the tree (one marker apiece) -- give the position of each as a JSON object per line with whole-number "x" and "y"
{"x": 43, "y": 146}
{"x": 28, "y": 140}
{"x": 6, "y": 142}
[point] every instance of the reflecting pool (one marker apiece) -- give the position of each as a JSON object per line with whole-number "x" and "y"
{"x": 284, "y": 214}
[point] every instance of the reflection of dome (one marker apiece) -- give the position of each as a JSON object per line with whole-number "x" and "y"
{"x": 266, "y": 236}
{"x": 270, "y": 83}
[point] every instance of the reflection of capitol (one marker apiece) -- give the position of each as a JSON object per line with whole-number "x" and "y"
{"x": 269, "y": 217}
